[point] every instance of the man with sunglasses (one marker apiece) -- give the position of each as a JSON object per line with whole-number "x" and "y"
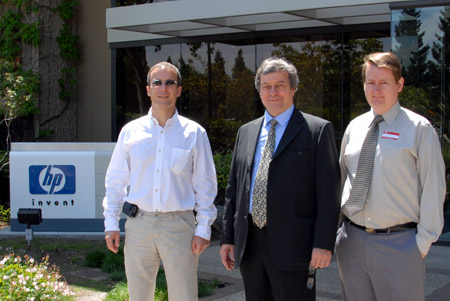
{"x": 165, "y": 163}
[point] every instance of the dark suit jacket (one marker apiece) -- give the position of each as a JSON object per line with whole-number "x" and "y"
{"x": 303, "y": 193}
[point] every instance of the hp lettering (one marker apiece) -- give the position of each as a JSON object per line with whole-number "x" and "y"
{"x": 52, "y": 179}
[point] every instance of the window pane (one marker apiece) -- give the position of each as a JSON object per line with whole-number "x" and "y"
{"x": 421, "y": 38}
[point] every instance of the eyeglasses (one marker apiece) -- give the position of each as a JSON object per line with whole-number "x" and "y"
{"x": 159, "y": 83}
{"x": 310, "y": 281}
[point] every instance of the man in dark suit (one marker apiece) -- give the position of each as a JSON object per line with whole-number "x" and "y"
{"x": 282, "y": 206}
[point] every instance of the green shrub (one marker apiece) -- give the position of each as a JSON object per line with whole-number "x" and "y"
{"x": 222, "y": 161}
{"x": 161, "y": 292}
{"x": 95, "y": 259}
{"x": 222, "y": 134}
{"x": 5, "y": 214}
{"x": 26, "y": 279}
{"x": 114, "y": 261}
{"x": 118, "y": 276}
{"x": 207, "y": 288}
{"x": 118, "y": 293}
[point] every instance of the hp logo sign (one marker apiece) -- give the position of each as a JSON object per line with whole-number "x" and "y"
{"x": 52, "y": 179}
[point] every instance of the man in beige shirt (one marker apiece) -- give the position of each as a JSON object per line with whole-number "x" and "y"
{"x": 380, "y": 248}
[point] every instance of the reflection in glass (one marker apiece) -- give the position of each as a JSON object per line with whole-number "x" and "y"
{"x": 420, "y": 37}
{"x": 218, "y": 80}
{"x": 330, "y": 75}
{"x": 136, "y": 2}
{"x": 131, "y": 96}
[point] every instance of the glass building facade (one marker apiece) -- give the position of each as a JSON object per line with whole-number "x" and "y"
{"x": 218, "y": 73}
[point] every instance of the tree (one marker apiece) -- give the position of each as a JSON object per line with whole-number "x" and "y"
{"x": 18, "y": 97}
{"x": 410, "y": 26}
{"x": 37, "y": 74}
{"x": 441, "y": 54}
{"x": 239, "y": 103}
{"x": 422, "y": 90}
{"x": 219, "y": 84}
{"x": 320, "y": 68}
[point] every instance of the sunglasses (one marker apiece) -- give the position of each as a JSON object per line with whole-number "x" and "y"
{"x": 159, "y": 83}
{"x": 310, "y": 281}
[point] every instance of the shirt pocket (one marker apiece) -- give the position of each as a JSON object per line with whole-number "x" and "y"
{"x": 180, "y": 160}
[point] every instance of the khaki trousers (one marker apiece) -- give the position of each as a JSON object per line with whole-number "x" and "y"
{"x": 152, "y": 237}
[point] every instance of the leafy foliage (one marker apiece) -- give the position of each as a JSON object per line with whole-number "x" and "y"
{"x": 67, "y": 43}
{"x": 68, "y": 49}
{"x": 222, "y": 134}
{"x": 222, "y": 162}
{"x": 10, "y": 35}
{"x": 114, "y": 264}
{"x": 26, "y": 279}
{"x": 119, "y": 293}
{"x": 13, "y": 32}
{"x": 18, "y": 90}
{"x": 67, "y": 9}
{"x": 95, "y": 258}
{"x": 5, "y": 214}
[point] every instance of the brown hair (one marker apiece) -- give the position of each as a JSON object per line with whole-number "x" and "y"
{"x": 383, "y": 60}
{"x": 275, "y": 64}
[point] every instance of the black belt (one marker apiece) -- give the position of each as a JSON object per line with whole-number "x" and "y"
{"x": 397, "y": 228}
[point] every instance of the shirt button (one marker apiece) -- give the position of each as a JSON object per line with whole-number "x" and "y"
{"x": 159, "y": 150}
{"x": 156, "y": 190}
{"x": 162, "y": 132}
{"x": 157, "y": 170}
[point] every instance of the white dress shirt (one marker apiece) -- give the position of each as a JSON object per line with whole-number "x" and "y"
{"x": 408, "y": 180}
{"x": 162, "y": 170}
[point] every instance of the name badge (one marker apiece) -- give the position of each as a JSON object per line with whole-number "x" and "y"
{"x": 390, "y": 135}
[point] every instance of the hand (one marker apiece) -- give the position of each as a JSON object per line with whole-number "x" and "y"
{"x": 112, "y": 240}
{"x": 320, "y": 258}
{"x": 199, "y": 244}
{"x": 227, "y": 256}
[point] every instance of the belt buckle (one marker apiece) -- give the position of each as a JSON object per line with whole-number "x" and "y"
{"x": 370, "y": 230}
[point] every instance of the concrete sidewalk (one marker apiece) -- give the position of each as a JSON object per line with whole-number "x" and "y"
{"x": 437, "y": 282}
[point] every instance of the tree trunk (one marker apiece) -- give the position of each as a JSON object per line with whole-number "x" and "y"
{"x": 56, "y": 120}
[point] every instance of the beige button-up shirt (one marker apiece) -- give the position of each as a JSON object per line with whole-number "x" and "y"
{"x": 408, "y": 181}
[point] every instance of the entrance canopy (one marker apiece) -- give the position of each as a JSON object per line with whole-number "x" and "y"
{"x": 188, "y": 18}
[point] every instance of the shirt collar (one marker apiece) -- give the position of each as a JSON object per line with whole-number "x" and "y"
{"x": 390, "y": 115}
{"x": 170, "y": 122}
{"x": 282, "y": 119}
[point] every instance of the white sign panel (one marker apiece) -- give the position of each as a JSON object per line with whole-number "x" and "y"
{"x": 62, "y": 184}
